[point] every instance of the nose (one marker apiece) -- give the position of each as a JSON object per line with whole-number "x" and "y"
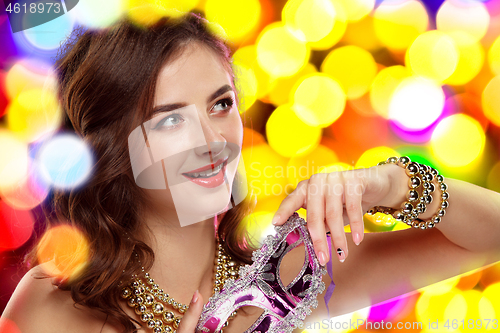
{"x": 216, "y": 143}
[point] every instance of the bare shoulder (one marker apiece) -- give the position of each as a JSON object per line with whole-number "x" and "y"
{"x": 38, "y": 306}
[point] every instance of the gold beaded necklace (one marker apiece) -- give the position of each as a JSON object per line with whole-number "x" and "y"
{"x": 150, "y": 301}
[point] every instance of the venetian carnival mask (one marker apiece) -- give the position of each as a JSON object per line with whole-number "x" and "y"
{"x": 260, "y": 285}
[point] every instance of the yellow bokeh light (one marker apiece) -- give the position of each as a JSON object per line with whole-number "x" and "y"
{"x": 383, "y": 87}
{"x": 309, "y": 20}
{"x": 148, "y": 12}
{"x": 14, "y": 161}
{"x": 336, "y": 32}
{"x": 487, "y": 309}
{"x": 400, "y": 226}
{"x": 280, "y": 93}
{"x": 489, "y": 304}
{"x": 303, "y": 167}
{"x": 33, "y": 113}
{"x": 25, "y": 197}
{"x": 302, "y": 213}
{"x": 470, "y": 61}
{"x": 478, "y": 309}
{"x": 398, "y": 23}
{"x": 265, "y": 171}
{"x": 357, "y": 9}
{"x": 282, "y": 129}
{"x": 246, "y": 84}
{"x": 458, "y": 140}
{"x": 438, "y": 308}
{"x": 470, "y": 279}
{"x": 216, "y": 29}
{"x": 258, "y": 225}
{"x": 27, "y": 193}
{"x": 456, "y": 308}
{"x": 433, "y": 55}
{"x": 271, "y": 204}
{"x": 439, "y": 288}
{"x": 63, "y": 252}
{"x": 20, "y": 78}
{"x": 381, "y": 220}
{"x": 353, "y": 67}
{"x": 468, "y": 16}
{"x": 247, "y": 57}
{"x": 375, "y": 155}
{"x": 238, "y": 18}
{"x": 491, "y": 100}
{"x": 318, "y": 100}
{"x": 362, "y": 34}
{"x": 337, "y": 324}
{"x": 181, "y": 5}
{"x": 413, "y": 96}
{"x": 99, "y": 14}
{"x": 494, "y": 56}
{"x": 493, "y": 180}
{"x": 336, "y": 167}
{"x": 279, "y": 52}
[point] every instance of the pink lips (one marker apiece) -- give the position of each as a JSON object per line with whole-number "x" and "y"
{"x": 211, "y": 182}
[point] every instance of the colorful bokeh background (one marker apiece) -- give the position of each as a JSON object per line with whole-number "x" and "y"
{"x": 325, "y": 85}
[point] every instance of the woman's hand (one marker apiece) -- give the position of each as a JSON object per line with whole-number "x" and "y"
{"x": 341, "y": 198}
{"x": 190, "y": 319}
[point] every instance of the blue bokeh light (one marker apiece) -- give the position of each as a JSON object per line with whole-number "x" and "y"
{"x": 65, "y": 161}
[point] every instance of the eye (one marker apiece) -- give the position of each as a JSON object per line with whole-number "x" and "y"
{"x": 169, "y": 122}
{"x": 224, "y": 105}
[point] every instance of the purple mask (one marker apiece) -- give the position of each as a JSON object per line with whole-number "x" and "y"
{"x": 260, "y": 285}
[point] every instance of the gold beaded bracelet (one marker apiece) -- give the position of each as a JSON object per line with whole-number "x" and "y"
{"x": 436, "y": 218}
{"x": 419, "y": 175}
{"x": 408, "y": 210}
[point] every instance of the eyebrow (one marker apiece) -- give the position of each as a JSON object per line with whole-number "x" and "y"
{"x": 169, "y": 107}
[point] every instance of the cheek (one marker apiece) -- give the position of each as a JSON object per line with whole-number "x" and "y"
{"x": 174, "y": 165}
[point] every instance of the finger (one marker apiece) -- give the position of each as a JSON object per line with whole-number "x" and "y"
{"x": 294, "y": 201}
{"x": 334, "y": 213}
{"x": 316, "y": 216}
{"x": 353, "y": 194}
{"x": 192, "y": 315}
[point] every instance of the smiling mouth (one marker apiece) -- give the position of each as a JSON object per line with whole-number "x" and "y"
{"x": 206, "y": 173}
{"x": 210, "y": 178}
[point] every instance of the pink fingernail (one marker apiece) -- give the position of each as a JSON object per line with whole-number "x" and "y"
{"x": 322, "y": 258}
{"x": 195, "y": 297}
{"x": 357, "y": 238}
{"x": 341, "y": 254}
{"x": 276, "y": 219}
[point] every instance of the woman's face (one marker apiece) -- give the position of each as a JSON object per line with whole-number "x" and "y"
{"x": 196, "y": 125}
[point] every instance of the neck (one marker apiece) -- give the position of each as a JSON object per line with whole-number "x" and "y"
{"x": 184, "y": 256}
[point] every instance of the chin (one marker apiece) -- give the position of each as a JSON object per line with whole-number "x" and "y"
{"x": 194, "y": 203}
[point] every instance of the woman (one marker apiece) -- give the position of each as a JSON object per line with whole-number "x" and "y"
{"x": 114, "y": 81}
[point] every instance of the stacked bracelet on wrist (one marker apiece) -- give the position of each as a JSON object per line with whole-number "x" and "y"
{"x": 420, "y": 175}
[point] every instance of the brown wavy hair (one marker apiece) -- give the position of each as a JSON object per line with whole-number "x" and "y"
{"x": 106, "y": 85}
